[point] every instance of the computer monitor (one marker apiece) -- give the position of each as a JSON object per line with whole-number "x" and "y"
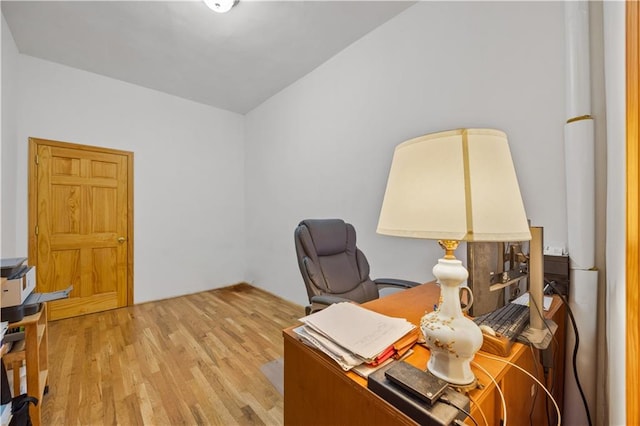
{"x": 498, "y": 274}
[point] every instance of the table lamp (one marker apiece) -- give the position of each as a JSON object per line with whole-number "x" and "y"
{"x": 453, "y": 186}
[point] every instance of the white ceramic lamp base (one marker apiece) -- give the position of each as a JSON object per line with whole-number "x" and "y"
{"x": 452, "y": 338}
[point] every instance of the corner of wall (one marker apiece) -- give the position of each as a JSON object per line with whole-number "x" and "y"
{"x": 8, "y": 148}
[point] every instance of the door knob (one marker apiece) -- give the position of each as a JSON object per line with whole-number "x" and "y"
{"x": 121, "y": 240}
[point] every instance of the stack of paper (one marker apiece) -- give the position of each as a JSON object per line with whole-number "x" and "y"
{"x": 4, "y": 327}
{"x": 352, "y": 335}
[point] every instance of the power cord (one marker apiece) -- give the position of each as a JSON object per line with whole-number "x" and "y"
{"x": 479, "y": 408}
{"x": 503, "y": 421}
{"x": 575, "y": 347}
{"x": 550, "y": 377}
{"x": 528, "y": 374}
{"x": 444, "y": 399}
{"x": 545, "y": 371}
{"x": 554, "y": 354}
{"x": 537, "y": 373}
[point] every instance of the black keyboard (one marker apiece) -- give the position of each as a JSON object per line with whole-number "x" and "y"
{"x": 508, "y": 321}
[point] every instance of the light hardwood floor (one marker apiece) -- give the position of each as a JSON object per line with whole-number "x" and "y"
{"x": 184, "y": 361}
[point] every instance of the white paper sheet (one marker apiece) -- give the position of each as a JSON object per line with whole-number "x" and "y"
{"x": 359, "y": 330}
{"x": 524, "y": 300}
{"x": 345, "y": 359}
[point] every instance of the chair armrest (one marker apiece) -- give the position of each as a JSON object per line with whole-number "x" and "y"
{"x": 394, "y": 282}
{"x": 322, "y": 301}
{"x": 328, "y": 300}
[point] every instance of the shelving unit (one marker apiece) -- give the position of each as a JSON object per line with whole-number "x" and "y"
{"x": 34, "y": 354}
{"x": 5, "y": 410}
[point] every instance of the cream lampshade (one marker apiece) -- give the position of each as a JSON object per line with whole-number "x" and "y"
{"x": 453, "y": 186}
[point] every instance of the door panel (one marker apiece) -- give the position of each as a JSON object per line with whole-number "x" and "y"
{"x": 83, "y": 227}
{"x": 633, "y": 209}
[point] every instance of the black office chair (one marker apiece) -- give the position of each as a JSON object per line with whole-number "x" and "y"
{"x": 333, "y": 268}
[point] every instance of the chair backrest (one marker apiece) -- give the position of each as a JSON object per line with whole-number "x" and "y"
{"x": 330, "y": 262}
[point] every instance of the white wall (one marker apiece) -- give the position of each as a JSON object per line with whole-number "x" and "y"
{"x": 8, "y": 148}
{"x": 188, "y": 171}
{"x": 322, "y": 147}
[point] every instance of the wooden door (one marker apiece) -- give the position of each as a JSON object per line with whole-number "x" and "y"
{"x": 80, "y": 215}
{"x": 633, "y": 208}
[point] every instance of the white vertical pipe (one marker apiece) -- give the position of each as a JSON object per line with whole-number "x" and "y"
{"x": 584, "y": 310}
{"x": 579, "y": 152}
{"x": 578, "y": 75}
{"x": 580, "y": 180}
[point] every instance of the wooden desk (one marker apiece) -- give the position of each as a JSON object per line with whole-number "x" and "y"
{"x": 319, "y": 392}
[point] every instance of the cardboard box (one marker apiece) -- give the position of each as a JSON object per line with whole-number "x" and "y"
{"x": 15, "y": 292}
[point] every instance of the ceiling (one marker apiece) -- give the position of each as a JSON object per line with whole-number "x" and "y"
{"x": 233, "y": 61}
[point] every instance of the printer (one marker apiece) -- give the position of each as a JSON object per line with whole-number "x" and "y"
{"x": 18, "y": 284}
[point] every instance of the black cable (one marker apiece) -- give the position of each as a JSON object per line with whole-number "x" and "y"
{"x": 548, "y": 376}
{"x": 553, "y": 377}
{"x": 444, "y": 399}
{"x": 575, "y": 348}
{"x": 535, "y": 395}
{"x": 546, "y": 401}
{"x": 553, "y": 338}
{"x": 555, "y": 353}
